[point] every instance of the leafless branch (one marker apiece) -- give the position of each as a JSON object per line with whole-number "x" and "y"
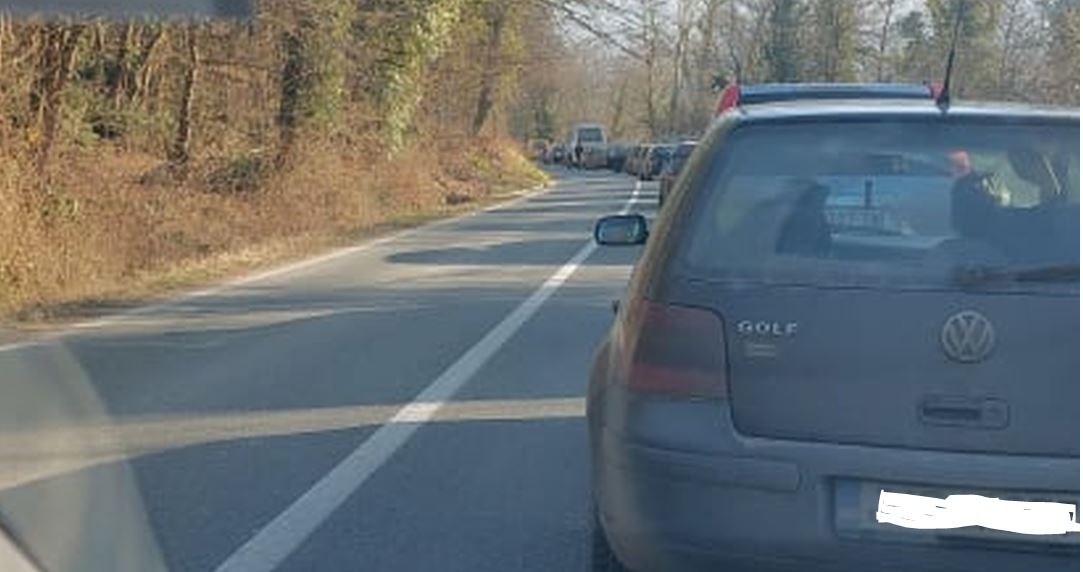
{"x": 579, "y": 20}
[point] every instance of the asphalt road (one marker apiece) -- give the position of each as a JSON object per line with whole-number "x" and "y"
{"x": 413, "y": 404}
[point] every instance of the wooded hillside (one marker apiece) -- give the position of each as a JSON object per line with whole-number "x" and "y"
{"x": 133, "y": 149}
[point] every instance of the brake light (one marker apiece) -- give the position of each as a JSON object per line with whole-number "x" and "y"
{"x": 730, "y": 98}
{"x": 675, "y": 350}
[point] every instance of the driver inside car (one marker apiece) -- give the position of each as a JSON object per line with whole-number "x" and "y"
{"x": 973, "y": 206}
{"x": 979, "y": 213}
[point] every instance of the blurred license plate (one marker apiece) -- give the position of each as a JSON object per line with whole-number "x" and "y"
{"x": 856, "y": 503}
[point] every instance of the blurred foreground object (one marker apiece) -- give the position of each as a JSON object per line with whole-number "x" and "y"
{"x": 64, "y": 505}
{"x": 129, "y": 8}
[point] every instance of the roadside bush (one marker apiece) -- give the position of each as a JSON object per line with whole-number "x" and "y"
{"x": 241, "y": 174}
{"x": 113, "y": 223}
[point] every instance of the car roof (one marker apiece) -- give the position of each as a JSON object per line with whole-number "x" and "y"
{"x": 897, "y": 109}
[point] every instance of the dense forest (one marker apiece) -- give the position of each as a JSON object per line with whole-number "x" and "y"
{"x": 141, "y": 155}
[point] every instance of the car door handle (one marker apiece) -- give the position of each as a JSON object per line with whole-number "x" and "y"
{"x": 961, "y": 411}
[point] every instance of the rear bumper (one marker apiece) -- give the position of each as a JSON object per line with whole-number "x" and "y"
{"x": 594, "y": 158}
{"x": 668, "y": 505}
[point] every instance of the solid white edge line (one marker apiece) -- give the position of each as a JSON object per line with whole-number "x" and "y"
{"x": 280, "y": 537}
{"x": 276, "y": 272}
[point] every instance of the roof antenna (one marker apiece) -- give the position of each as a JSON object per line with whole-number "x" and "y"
{"x": 943, "y": 99}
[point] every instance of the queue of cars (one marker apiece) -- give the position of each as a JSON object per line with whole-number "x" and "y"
{"x": 850, "y": 343}
{"x": 653, "y": 161}
{"x": 589, "y": 148}
{"x": 672, "y": 169}
{"x": 663, "y": 161}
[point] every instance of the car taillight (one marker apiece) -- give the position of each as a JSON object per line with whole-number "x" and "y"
{"x": 731, "y": 96}
{"x": 675, "y": 350}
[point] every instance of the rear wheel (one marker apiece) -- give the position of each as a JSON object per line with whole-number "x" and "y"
{"x": 602, "y": 558}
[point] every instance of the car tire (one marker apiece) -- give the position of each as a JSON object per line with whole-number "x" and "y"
{"x": 602, "y": 558}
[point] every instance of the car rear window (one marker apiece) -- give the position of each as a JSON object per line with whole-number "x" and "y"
{"x": 891, "y": 204}
{"x": 590, "y": 135}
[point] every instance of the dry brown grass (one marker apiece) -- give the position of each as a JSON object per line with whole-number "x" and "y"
{"x": 111, "y": 226}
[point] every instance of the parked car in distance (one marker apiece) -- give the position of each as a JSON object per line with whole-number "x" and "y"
{"x": 616, "y": 155}
{"x": 539, "y": 149}
{"x": 843, "y": 302}
{"x": 672, "y": 169}
{"x": 631, "y": 164}
{"x": 557, "y": 154}
{"x": 643, "y": 160}
{"x": 653, "y": 161}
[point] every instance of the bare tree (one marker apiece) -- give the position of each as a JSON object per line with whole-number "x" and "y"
{"x": 833, "y": 34}
{"x": 616, "y": 119}
{"x": 709, "y": 27}
{"x": 180, "y": 153}
{"x": 496, "y": 17}
{"x": 650, "y": 37}
{"x": 58, "y": 43}
{"x": 117, "y": 82}
{"x": 1019, "y": 39}
{"x": 684, "y": 22}
{"x": 886, "y": 17}
{"x": 137, "y": 71}
{"x": 1061, "y": 83}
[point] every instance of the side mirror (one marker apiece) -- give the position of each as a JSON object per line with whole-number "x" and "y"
{"x": 621, "y": 230}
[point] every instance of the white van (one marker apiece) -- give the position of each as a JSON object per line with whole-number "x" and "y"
{"x": 593, "y": 139}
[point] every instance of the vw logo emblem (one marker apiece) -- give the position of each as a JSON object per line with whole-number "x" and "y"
{"x": 968, "y": 337}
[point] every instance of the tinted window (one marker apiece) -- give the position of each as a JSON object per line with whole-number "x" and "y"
{"x": 591, "y": 135}
{"x": 889, "y": 204}
{"x": 661, "y": 152}
{"x": 684, "y": 151}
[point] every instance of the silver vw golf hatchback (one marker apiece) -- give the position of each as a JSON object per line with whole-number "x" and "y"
{"x": 841, "y": 303}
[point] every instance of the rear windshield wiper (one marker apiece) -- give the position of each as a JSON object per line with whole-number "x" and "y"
{"x": 978, "y": 274}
